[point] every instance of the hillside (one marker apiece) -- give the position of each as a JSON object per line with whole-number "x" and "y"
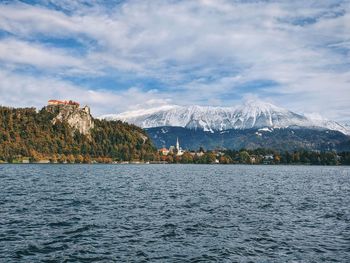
{"x": 286, "y": 139}
{"x": 69, "y": 134}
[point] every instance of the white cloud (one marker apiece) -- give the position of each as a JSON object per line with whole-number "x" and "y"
{"x": 20, "y": 52}
{"x": 198, "y": 50}
{"x": 18, "y": 90}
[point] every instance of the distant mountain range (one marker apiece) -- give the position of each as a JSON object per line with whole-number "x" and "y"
{"x": 251, "y": 114}
{"x": 253, "y": 117}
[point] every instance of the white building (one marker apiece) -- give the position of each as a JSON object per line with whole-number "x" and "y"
{"x": 178, "y": 148}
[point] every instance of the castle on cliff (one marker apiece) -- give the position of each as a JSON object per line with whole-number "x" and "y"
{"x": 78, "y": 118}
{"x": 63, "y": 102}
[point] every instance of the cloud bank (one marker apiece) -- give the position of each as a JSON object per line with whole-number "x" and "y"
{"x": 122, "y": 55}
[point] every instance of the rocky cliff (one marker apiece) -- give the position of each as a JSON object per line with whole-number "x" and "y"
{"x": 79, "y": 119}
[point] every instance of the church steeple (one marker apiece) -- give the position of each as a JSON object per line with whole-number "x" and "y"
{"x": 177, "y": 144}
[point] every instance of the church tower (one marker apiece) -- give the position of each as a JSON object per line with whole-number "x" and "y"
{"x": 177, "y": 144}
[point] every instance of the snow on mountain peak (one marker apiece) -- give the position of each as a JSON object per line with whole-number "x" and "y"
{"x": 256, "y": 106}
{"x": 137, "y": 113}
{"x": 251, "y": 114}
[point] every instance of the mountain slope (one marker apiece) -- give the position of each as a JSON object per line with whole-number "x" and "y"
{"x": 284, "y": 139}
{"x": 252, "y": 114}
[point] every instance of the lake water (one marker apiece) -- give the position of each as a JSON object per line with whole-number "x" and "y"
{"x": 174, "y": 213}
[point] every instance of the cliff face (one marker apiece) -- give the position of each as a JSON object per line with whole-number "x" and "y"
{"x": 79, "y": 119}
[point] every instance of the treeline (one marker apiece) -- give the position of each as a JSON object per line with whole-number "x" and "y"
{"x": 268, "y": 156}
{"x": 26, "y": 134}
{"x": 260, "y": 156}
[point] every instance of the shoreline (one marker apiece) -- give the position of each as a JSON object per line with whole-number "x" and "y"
{"x": 190, "y": 164}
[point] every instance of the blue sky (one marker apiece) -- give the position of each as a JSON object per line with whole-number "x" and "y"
{"x": 124, "y": 55}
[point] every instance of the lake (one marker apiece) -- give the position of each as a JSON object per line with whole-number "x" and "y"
{"x": 174, "y": 213}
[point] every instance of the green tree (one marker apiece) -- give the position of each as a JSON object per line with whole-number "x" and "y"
{"x": 79, "y": 158}
{"x": 244, "y": 157}
{"x": 62, "y": 158}
{"x": 186, "y": 158}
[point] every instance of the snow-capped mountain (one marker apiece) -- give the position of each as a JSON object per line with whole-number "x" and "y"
{"x": 251, "y": 114}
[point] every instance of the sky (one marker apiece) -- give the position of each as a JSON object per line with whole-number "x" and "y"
{"x": 119, "y": 55}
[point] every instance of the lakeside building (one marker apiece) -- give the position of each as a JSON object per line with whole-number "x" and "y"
{"x": 164, "y": 151}
{"x": 199, "y": 154}
{"x": 172, "y": 149}
{"x": 178, "y": 148}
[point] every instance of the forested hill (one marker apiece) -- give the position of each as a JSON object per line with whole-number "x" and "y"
{"x": 26, "y": 134}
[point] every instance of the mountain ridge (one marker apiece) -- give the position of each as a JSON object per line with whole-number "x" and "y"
{"x": 251, "y": 114}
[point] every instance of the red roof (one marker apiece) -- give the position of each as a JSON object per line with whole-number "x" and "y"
{"x": 65, "y": 102}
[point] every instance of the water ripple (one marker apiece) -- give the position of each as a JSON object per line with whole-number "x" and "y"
{"x": 174, "y": 213}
